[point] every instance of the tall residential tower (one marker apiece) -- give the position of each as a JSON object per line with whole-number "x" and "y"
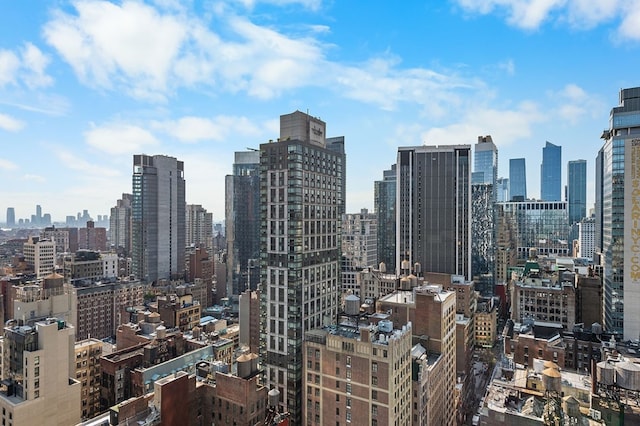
{"x": 302, "y": 197}
{"x": 158, "y": 218}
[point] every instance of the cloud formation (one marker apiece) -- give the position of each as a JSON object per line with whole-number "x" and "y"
{"x": 27, "y": 66}
{"x": 118, "y": 138}
{"x": 579, "y": 14}
{"x": 196, "y": 129}
{"x": 10, "y": 124}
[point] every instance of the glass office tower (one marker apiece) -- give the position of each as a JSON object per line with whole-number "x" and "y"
{"x": 577, "y": 190}
{"x": 618, "y": 201}
{"x": 517, "y": 179}
{"x": 385, "y": 210}
{"x": 551, "y": 173}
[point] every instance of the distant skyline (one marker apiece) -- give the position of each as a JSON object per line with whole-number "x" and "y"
{"x": 85, "y": 85}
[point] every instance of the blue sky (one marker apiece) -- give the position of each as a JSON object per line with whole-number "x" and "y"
{"x": 84, "y": 85}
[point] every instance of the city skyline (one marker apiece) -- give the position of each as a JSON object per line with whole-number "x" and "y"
{"x": 82, "y": 90}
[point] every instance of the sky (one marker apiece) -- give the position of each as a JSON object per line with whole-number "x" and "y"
{"x": 86, "y": 84}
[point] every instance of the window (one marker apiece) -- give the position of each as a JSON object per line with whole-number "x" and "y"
{"x": 374, "y": 394}
{"x": 374, "y": 367}
{"x": 348, "y": 361}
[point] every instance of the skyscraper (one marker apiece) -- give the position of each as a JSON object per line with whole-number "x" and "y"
{"x": 517, "y": 179}
{"x": 483, "y": 198}
{"x": 616, "y": 215}
{"x": 551, "y": 173}
{"x": 242, "y": 223}
{"x": 158, "y": 218}
{"x": 301, "y": 197}
{"x": 434, "y": 208}
{"x": 502, "y": 192}
{"x": 577, "y": 190}
{"x": 11, "y": 217}
{"x": 120, "y": 225}
{"x": 485, "y": 162}
{"x": 199, "y": 226}
{"x": 385, "y": 210}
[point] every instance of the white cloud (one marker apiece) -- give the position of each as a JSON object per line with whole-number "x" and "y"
{"x": 106, "y": 41}
{"x": 35, "y": 63}
{"x": 309, "y": 4}
{"x": 580, "y": 14}
{"x": 574, "y": 104}
{"x": 506, "y": 126}
{"x": 79, "y": 164}
{"x": 34, "y": 178}
{"x": 119, "y": 138}
{"x": 382, "y": 82}
{"x": 9, "y": 66}
{"x": 7, "y": 165}
{"x": 195, "y": 129}
{"x": 10, "y": 124}
{"x": 29, "y": 66}
{"x": 630, "y": 26}
{"x": 151, "y": 52}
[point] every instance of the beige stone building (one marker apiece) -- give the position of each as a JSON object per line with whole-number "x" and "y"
{"x": 432, "y": 311}
{"x": 38, "y": 365}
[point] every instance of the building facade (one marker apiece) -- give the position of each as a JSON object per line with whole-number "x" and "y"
{"x": 40, "y": 255}
{"x": 616, "y": 215}
{"x": 120, "y": 225}
{"x": 577, "y": 190}
{"x": 434, "y": 208}
{"x": 301, "y": 187}
{"x": 199, "y": 225}
{"x": 242, "y": 222}
{"x": 517, "y": 179}
{"x": 358, "y": 375}
{"x": 539, "y": 225}
{"x": 158, "y": 218}
{"x": 385, "y": 210}
{"x": 551, "y": 173}
{"x": 37, "y": 374}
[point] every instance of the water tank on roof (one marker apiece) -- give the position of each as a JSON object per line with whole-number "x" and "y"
{"x": 352, "y": 305}
{"x": 244, "y": 366}
{"x": 551, "y": 380}
{"x": 417, "y": 268}
{"x": 405, "y": 283}
{"x": 383, "y": 267}
{"x": 571, "y": 406}
{"x": 161, "y": 332}
{"x": 605, "y": 373}
{"x": 385, "y": 326}
{"x": 628, "y": 375}
{"x": 274, "y": 397}
{"x": 596, "y": 328}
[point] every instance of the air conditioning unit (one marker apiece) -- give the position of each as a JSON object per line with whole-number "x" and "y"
{"x": 595, "y": 414}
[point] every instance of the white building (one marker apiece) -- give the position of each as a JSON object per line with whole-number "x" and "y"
{"x": 40, "y": 254}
